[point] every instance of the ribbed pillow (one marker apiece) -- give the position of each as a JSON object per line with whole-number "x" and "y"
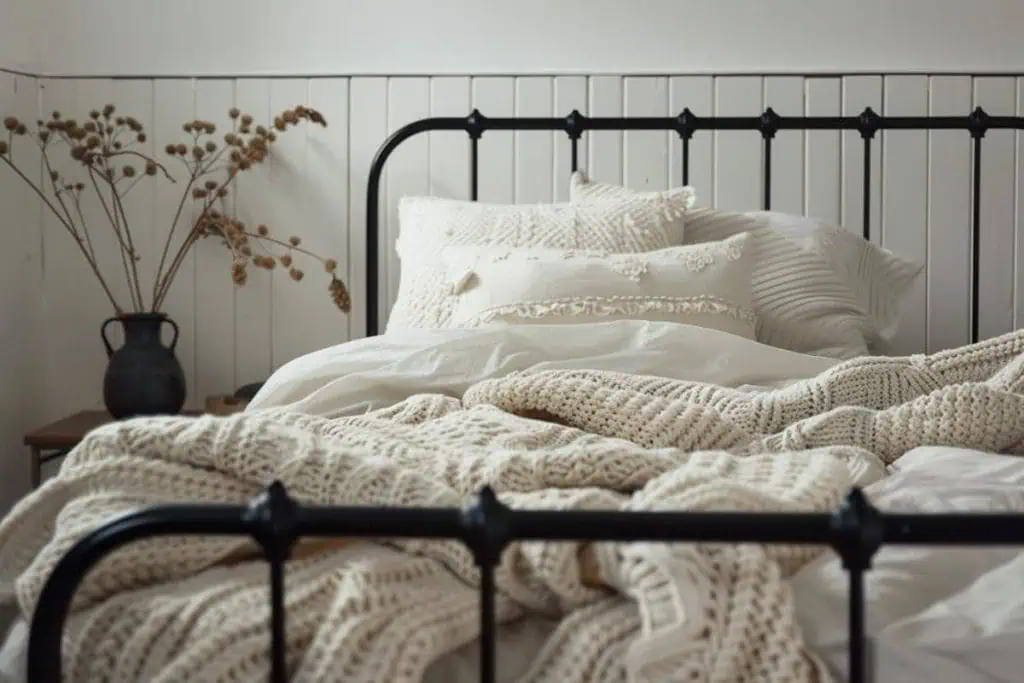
{"x": 429, "y": 224}
{"x": 817, "y": 288}
{"x": 706, "y": 285}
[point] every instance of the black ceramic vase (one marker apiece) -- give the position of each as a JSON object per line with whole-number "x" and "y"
{"x": 143, "y": 376}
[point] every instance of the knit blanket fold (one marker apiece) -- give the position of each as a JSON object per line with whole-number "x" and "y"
{"x": 179, "y": 609}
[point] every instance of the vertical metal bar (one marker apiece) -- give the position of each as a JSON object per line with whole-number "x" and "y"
{"x": 766, "y": 202}
{"x": 976, "y": 241}
{"x": 474, "y": 168}
{"x": 575, "y": 154}
{"x": 856, "y": 626}
{"x": 686, "y": 160}
{"x": 488, "y": 663}
{"x": 278, "y": 671}
{"x": 867, "y": 189}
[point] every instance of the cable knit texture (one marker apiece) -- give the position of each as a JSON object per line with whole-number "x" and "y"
{"x": 195, "y": 609}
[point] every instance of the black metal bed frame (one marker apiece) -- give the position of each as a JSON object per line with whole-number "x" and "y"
{"x": 856, "y": 531}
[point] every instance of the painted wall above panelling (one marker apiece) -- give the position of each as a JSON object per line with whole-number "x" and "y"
{"x": 502, "y": 37}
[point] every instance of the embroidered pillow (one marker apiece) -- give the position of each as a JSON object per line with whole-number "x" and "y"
{"x": 707, "y": 285}
{"x": 429, "y": 224}
{"x": 817, "y": 288}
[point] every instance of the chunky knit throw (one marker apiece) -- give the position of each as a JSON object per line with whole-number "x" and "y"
{"x": 191, "y": 609}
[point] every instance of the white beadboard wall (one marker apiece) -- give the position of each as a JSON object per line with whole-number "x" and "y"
{"x": 315, "y": 186}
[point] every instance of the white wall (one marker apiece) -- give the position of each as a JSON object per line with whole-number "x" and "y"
{"x": 465, "y": 55}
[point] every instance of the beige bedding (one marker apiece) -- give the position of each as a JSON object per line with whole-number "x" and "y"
{"x": 608, "y": 440}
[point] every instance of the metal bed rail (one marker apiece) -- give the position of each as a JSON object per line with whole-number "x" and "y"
{"x": 856, "y": 531}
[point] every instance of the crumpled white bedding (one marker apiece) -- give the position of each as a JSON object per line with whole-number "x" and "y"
{"x": 935, "y": 614}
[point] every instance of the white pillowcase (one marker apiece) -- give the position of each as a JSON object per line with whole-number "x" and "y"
{"x": 429, "y": 224}
{"x": 817, "y": 288}
{"x": 707, "y": 285}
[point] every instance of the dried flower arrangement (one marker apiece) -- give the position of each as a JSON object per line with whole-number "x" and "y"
{"x": 105, "y": 146}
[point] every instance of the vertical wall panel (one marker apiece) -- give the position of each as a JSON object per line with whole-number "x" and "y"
{"x": 605, "y": 146}
{"x": 860, "y": 92}
{"x": 785, "y": 94}
{"x": 1018, "y": 319}
{"x": 533, "y": 155}
{"x": 449, "y": 149}
{"x": 998, "y": 168}
{"x": 326, "y": 182}
{"x": 173, "y": 105}
{"x": 214, "y": 293}
{"x": 949, "y": 218}
{"x": 368, "y": 120}
{"x": 738, "y": 154}
{"x": 645, "y": 152}
{"x": 570, "y": 94}
{"x": 21, "y": 361}
{"x": 74, "y": 303}
{"x": 496, "y": 97}
{"x": 905, "y": 199}
{"x": 821, "y": 198}
{"x": 697, "y": 94}
{"x": 254, "y": 199}
{"x": 407, "y": 171}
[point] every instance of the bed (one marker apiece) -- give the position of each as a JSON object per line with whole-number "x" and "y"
{"x": 484, "y": 492}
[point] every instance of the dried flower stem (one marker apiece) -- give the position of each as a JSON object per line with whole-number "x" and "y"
{"x": 117, "y": 232}
{"x": 70, "y": 228}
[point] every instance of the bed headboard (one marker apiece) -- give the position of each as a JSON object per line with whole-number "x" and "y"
{"x": 686, "y": 125}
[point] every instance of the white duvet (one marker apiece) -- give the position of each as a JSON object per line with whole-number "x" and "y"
{"x": 935, "y": 614}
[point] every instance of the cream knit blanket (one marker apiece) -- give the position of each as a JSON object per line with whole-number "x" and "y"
{"x": 196, "y": 609}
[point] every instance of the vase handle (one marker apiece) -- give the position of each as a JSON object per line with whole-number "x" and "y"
{"x": 174, "y": 340}
{"x": 103, "y": 336}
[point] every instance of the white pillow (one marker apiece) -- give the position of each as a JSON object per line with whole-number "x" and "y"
{"x": 817, "y": 288}
{"x": 707, "y": 285}
{"x": 428, "y": 224}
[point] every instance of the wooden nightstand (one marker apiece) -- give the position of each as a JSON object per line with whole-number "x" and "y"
{"x": 56, "y": 439}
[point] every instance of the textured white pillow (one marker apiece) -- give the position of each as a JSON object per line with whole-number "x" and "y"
{"x": 817, "y": 288}
{"x": 429, "y": 224}
{"x": 707, "y": 285}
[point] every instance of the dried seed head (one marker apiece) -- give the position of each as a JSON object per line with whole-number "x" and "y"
{"x": 94, "y": 114}
{"x": 246, "y": 120}
{"x": 171, "y": 149}
{"x": 198, "y": 193}
{"x": 211, "y": 146}
{"x": 296, "y": 274}
{"x": 244, "y": 164}
{"x": 229, "y": 138}
{"x": 55, "y": 115}
{"x": 92, "y": 142}
{"x": 187, "y": 127}
{"x": 181, "y": 149}
{"x": 234, "y": 112}
{"x": 236, "y": 156}
{"x": 339, "y": 295}
{"x": 3, "y": 147}
{"x": 44, "y": 136}
{"x": 21, "y": 129}
{"x": 54, "y": 176}
{"x": 211, "y": 184}
{"x": 78, "y": 152}
{"x": 279, "y": 123}
{"x": 198, "y": 153}
{"x": 79, "y": 186}
{"x": 294, "y": 241}
{"x": 10, "y": 123}
{"x": 261, "y": 131}
{"x": 141, "y": 137}
{"x": 108, "y": 111}
{"x": 245, "y": 130}
{"x": 290, "y": 117}
{"x": 262, "y": 230}
{"x": 128, "y": 171}
{"x": 286, "y": 260}
{"x": 134, "y": 124}
{"x": 150, "y": 168}
{"x": 222, "y": 192}
{"x": 118, "y": 145}
{"x": 89, "y": 126}
{"x": 330, "y": 265}
{"x": 120, "y": 120}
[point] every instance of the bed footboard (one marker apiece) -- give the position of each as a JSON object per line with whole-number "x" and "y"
{"x": 276, "y": 522}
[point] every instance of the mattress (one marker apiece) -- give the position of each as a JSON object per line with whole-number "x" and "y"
{"x": 943, "y": 615}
